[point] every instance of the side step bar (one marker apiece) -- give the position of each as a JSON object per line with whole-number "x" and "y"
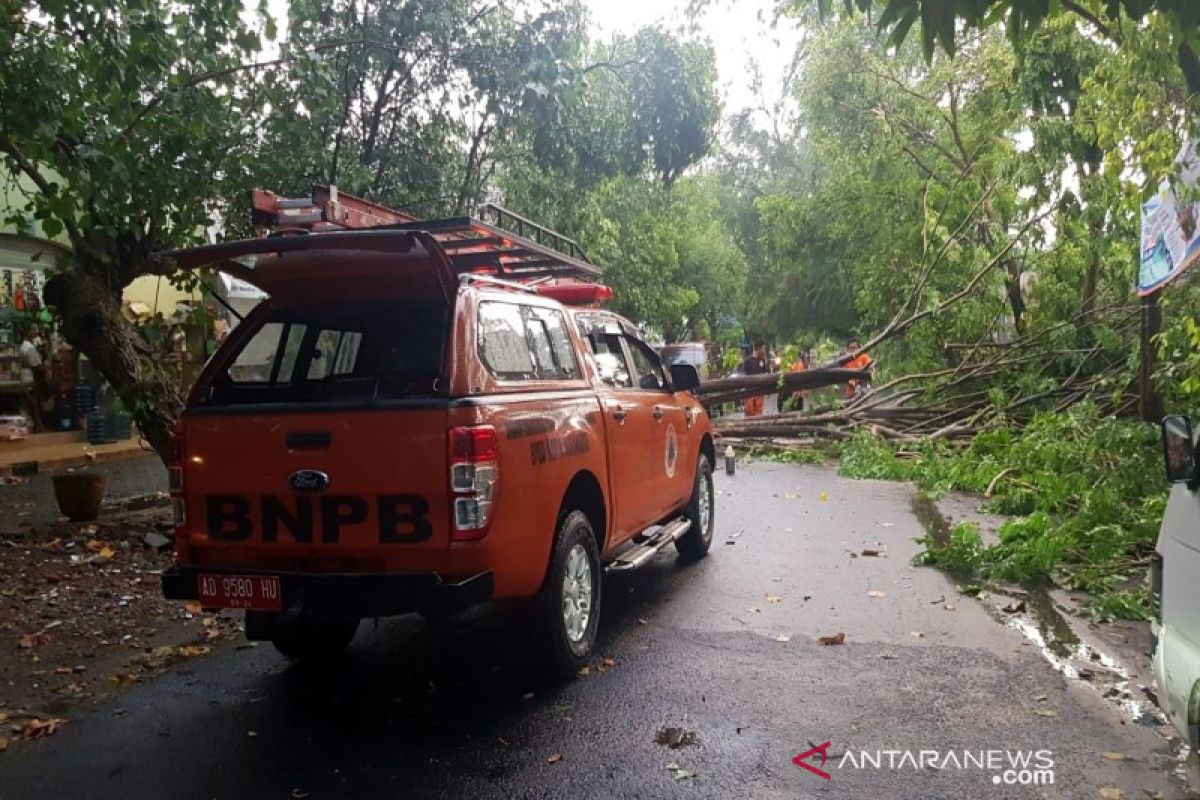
{"x": 648, "y": 544}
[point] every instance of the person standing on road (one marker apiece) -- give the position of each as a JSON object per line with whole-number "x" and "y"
{"x": 800, "y": 398}
{"x": 31, "y": 359}
{"x": 755, "y": 364}
{"x": 855, "y": 360}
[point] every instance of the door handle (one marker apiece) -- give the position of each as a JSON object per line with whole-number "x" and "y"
{"x": 619, "y": 414}
{"x": 658, "y": 412}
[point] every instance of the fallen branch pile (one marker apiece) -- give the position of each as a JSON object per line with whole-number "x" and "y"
{"x": 989, "y": 383}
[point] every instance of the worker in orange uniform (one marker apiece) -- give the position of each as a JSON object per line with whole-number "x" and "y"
{"x": 855, "y": 360}
{"x": 800, "y": 398}
{"x": 755, "y": 364}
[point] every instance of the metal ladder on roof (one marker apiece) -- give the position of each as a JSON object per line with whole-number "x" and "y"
{"x": 499, "y": 241}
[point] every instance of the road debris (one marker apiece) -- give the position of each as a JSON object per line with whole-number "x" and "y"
{"x": 680, "y": 773}
{"x": 675, "y": 738}
{"x": 36, "y": 728}
{"x": 156, "y": 540}
{"x": 84, "y": 601}
{"x": 837, "y": 638}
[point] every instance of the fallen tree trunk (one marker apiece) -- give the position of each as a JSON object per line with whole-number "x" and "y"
{"x": 768, "y": 431}
{"x": 724, "y": 390}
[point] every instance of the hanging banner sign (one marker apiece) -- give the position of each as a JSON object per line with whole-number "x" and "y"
{"x": 1170, "y": 234}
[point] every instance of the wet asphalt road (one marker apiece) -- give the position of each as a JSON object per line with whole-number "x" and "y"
{"x": 416, "y": 711}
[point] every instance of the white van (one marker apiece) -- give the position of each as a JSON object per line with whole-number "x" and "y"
{"x": 1173, "y": 578}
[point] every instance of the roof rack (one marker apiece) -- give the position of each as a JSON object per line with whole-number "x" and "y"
{"x": 499, "y": 242}
{"x": 508, "y": 220}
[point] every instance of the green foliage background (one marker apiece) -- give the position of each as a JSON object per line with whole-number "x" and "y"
{"x": 976, "y": 183}
{"x": 1085, "y": 494}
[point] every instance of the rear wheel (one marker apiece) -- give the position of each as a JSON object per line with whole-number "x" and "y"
{"x": 700, "y": 512}
{"x": 304, "y": 637}
{"x": 569, "y": 603}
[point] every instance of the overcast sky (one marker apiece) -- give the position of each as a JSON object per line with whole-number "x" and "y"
{"x": 740, "y": 30}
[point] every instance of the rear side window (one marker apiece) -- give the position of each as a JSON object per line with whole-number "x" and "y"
{"x": 525, "y": 343}
{"x": 359, "y": 351}
{"x": 502, "y": 343}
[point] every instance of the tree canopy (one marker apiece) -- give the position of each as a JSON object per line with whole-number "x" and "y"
{"x": 937, "y": 195}
{"x": 142, "y": 128}
{"x": 939, "y": 20}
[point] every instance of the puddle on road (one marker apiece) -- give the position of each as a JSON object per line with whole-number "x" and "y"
{"x": 931, "y": 518}
{"x": 1045, "y": 625}
{"x": 1056, "y": 633}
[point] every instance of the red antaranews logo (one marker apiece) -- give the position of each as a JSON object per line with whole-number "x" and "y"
{"x": 802, "y": 760}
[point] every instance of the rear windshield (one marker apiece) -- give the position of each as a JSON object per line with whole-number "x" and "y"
{"x": 339, "y": 352}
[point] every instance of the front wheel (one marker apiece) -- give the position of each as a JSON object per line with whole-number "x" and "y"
{"x": 700, "y": 511}
{"x": 569, "y": 604}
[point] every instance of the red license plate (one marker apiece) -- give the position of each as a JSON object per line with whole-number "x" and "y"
{"x": 257, "y": 592}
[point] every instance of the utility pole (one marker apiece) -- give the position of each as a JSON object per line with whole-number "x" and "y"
{"x": 1150, "y": 405}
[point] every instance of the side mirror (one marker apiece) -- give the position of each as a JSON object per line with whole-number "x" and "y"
{"x": 1179, "y": 449}
{"x": 684, "y": 377}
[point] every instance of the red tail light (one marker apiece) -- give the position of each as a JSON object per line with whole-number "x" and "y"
{"x": 474, "y": 473}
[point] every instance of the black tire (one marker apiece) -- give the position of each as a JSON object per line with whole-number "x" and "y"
{"x": 694, "y": 544}
{"x": 564, "y": 653}
{"x": 307, "y": 638}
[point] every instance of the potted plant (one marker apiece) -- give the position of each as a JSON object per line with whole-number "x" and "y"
{"x": 79, "y": 494}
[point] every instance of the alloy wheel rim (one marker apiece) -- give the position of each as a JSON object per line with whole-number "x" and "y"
{"x": 577, "y": 593}
{"x": 705, "y": 505}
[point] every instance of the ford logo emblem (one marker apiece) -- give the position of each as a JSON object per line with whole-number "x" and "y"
{"x": 308, "y": 480}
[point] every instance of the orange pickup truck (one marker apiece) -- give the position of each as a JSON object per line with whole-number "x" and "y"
{"x": 409, "y": 424}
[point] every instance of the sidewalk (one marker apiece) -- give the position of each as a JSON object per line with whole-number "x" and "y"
{"x": 31, "y": 503}
{"x": 50, "y": 452}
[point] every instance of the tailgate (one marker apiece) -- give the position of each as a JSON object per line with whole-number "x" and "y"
{"x": 318, "y": 491}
